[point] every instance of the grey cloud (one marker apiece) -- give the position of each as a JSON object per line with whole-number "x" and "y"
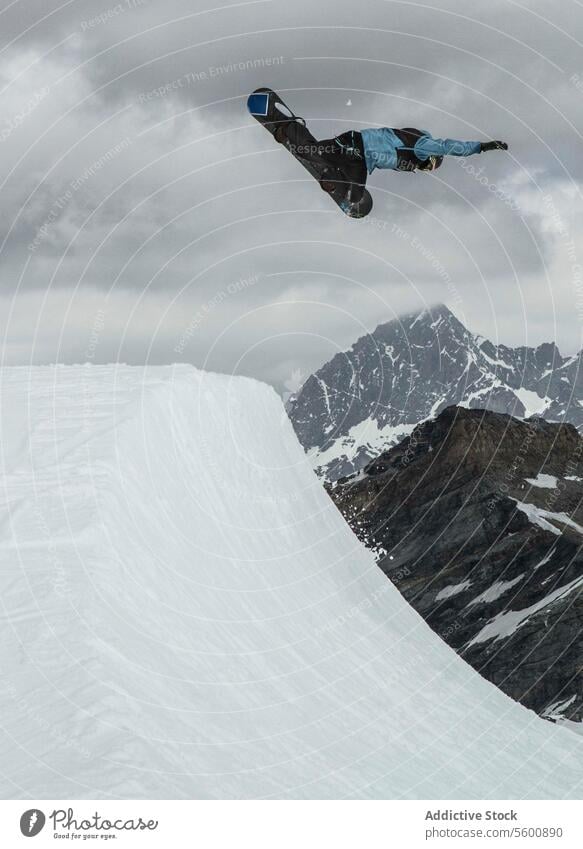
{"x": 200, "y": 197}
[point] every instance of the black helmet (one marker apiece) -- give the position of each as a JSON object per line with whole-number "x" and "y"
{"x": 431, "y": 163}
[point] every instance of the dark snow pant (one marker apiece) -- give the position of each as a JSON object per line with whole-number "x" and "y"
{"x": 345, "y": 153}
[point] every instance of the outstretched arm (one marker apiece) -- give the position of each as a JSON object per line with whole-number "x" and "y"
{"x": 428, "y": 146}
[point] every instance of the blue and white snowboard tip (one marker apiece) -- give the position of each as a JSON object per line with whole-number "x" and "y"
{"x": 258, "y": 104}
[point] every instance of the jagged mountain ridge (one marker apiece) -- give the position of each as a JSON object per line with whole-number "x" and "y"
{"x": 368, "y": 398}
{"x": 477, "y": 517}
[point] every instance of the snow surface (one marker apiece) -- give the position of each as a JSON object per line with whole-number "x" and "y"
{"x": 545, "y": 559}
{"x": 364, "y": 436}
{"x": 543, "y": 481}
{"x": 448, "y": 592}
{"x": 496, "y": 590}
{"x": 185, "y": 614}
{"x": 533, "y": 404}
{"x": 576, "y": 727}
{"x": 540, "y": 517}
{"x": 509, "y": 621}
{"x": 489, "y": 359}
{"x": 480, "y": 393}
{"x": 556, "y": 710}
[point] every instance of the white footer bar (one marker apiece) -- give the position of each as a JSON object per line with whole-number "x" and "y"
{"x": 292, "y": 825}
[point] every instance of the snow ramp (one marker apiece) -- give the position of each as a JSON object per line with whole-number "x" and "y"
{"x": 185, "y": 614}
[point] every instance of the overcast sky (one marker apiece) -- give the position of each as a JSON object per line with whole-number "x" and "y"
{"x": 145, "y": 217}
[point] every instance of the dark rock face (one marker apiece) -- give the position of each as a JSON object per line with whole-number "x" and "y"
{"x": 477, "y": 518}
{"x": 366, "y": 399}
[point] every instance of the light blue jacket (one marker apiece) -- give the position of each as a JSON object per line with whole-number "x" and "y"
{"x": 380, "y": 147}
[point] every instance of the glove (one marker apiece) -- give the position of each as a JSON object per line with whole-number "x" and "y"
{"x": 493, "y": 145}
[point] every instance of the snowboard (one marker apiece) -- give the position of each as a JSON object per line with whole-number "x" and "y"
{"x": 269, "y": 109}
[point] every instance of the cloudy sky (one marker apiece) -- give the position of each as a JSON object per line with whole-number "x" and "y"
{"x": 145, "y": 217}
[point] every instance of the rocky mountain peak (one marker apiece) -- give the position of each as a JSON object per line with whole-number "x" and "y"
{"x": 489, "y": 442}
{"x": 410, "y": 369}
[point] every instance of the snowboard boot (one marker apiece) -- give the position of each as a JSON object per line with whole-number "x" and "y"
{"x": 280, "y": 135}
{"x": 330, "y": 180}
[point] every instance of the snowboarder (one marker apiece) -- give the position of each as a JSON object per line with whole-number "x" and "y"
{"x": 355, "y": 154}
